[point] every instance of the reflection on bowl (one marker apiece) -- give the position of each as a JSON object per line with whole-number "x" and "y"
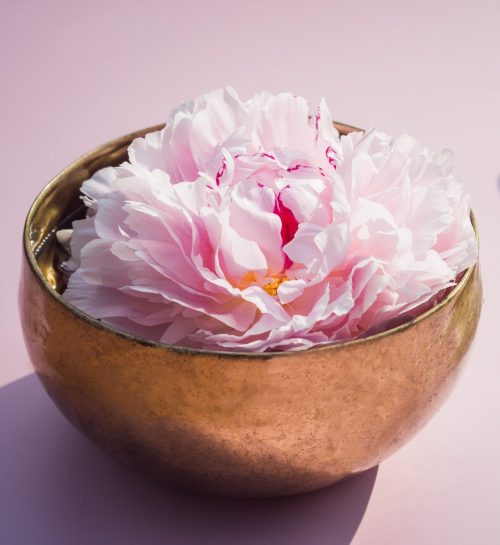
{"x": 242, "y": 424}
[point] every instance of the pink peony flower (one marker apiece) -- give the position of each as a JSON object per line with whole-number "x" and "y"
{"x": 250, "y": 226}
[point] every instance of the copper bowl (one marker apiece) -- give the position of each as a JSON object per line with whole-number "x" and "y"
{"x": 232, "y": 423}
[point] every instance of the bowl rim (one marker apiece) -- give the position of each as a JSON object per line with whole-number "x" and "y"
{"x": 29, "y": 254}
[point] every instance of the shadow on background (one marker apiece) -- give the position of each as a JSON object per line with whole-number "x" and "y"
{"x": 58, "y": 489}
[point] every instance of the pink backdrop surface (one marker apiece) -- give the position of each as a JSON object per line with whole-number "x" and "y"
{"x": 74, "y": 75}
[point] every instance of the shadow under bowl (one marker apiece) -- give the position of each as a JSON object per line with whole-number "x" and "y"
{"x": 243, "y": 424}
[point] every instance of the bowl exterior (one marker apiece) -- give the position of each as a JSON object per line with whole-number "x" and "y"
{"x": 245, "y": 425}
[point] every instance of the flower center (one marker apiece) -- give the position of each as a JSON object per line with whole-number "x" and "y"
{"x": 272, "y": 286}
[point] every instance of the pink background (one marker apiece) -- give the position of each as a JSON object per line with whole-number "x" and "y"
{"x": 74, "y": 75}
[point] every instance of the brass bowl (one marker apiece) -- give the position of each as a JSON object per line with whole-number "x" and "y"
{"x": 241, "y": 424}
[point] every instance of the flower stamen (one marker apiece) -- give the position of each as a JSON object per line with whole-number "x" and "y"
{"x": 272, "y": 286}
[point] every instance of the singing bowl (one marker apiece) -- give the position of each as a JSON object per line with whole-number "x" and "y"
{"x": 241, "y": 424}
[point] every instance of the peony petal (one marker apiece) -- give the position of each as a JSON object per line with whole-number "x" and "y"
{"x": 252, "y": 226}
